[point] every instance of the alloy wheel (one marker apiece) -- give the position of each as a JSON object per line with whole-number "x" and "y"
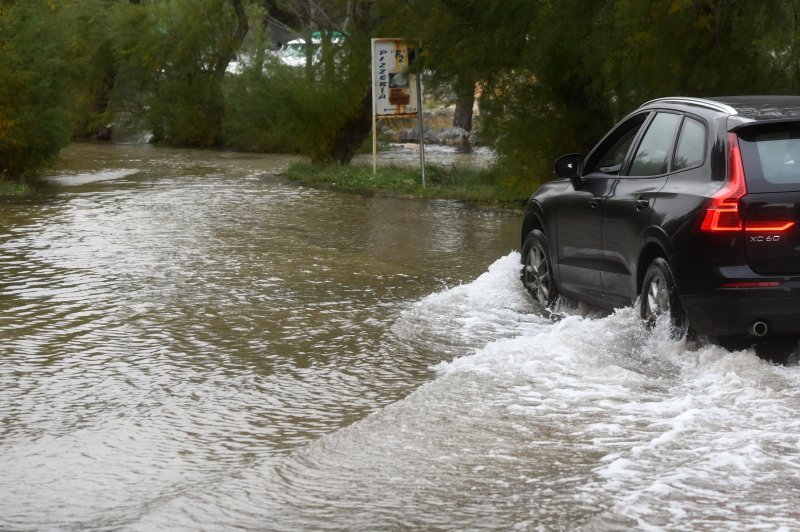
{"x": 657, "y": 303}
{"x": 537, "y": 275}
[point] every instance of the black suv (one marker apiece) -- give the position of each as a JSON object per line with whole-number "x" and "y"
{"x": 690, "y": 205}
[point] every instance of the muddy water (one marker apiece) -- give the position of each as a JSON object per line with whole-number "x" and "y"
{"x": 189, "y": 342}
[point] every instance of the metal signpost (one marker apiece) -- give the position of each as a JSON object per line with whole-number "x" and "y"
{"x": 396, "y": 91}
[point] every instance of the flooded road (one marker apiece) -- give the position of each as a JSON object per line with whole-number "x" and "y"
{"x": 189, "y": 342}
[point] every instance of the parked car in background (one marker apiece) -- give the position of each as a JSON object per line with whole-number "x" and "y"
{"x": 294, "y": 53}
{"x": 690, "y": 206}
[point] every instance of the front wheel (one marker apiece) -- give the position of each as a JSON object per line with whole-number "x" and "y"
{"x": 537, "y": 274}
{"x": 660, "y": 298}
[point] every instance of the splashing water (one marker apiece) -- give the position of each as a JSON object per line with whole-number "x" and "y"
{"x": 583, "y": 423}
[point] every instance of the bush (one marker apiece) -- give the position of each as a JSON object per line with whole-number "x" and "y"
{"x": 33, "y": 87}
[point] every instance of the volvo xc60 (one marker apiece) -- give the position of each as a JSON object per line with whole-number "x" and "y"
{"x": 689, "y": 206}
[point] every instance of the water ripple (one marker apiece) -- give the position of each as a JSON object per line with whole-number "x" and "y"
{"x": 173, "y": 320}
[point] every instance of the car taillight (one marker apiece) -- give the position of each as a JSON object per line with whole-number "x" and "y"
{"x": 722, "y": 212}
{"x": 773, "y": 227}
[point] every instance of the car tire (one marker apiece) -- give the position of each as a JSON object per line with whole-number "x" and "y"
{"x": 660, "y": 297}
{"x": 537, "y": 270}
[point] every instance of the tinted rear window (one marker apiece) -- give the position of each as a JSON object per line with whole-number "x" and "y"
{"x": 691, "y": 149}
{"x": 772, "y": 159}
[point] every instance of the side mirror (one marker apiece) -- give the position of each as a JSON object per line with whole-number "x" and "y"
{"x": 571, "y": 167}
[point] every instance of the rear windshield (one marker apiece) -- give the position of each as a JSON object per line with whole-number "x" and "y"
{"x": 771, "y": 159}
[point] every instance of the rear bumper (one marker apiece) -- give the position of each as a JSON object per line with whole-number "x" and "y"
{"x": 732, "y": 311}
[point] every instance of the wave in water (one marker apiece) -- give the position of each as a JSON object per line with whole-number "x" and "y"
{"x": 586, "y": 422}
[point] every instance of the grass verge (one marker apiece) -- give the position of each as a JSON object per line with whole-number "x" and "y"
{"x": 14, "y": 188}
{"x": 442, "y": 182}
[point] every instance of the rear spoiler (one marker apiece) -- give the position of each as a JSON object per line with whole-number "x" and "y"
{"x": 775, "y": 123}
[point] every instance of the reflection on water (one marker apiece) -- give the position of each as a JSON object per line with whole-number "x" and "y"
{"x": 172, "y": 318}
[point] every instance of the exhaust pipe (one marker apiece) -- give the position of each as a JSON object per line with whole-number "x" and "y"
{"x": 758, "y": 328}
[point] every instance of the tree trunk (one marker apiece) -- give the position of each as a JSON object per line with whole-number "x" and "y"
{"x": 228, "y": 53}
{"x": 104, "y": 131}
{"x": 352, "y": 132}
{"x": 309, "y": 51}
{"x": 465, "y": 99}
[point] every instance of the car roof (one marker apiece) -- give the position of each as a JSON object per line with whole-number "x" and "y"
{"x": 763, "y": 107}
{"x": 748, "y": 108}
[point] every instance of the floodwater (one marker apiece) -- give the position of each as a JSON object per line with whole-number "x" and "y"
{"x": 190, "y": 342}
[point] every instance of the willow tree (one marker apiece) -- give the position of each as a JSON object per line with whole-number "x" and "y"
{"x": 322, "y": 108}
{"x": 93, "y": 66}
{"x": 172, "y": 60}
{"x": 34, "y": 85}
{"x": 699, "y": 48}
{"x": 586, "y": 63}
{"x": 465, "y": 43}
{"x": 555, "y": 98}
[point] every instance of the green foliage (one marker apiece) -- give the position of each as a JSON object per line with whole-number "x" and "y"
{"x": 172, "y": 59}
{"x": 278, "y": 109}
{"x": 92, "y": 65}
{"x": 320, "y": 109}
{"x": 257, "y": 114}
{"x": 15, "y": 187}
{"x": 33, "y": 86}
{"x": 555, "y": 99}
{"x": 696, "y": 47}
{"x": 554, "y": 75}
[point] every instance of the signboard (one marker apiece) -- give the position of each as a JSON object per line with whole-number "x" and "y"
{"x": 396, "y": 92}
{"x": 394, "y": 89}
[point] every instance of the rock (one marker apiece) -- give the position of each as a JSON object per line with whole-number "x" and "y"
{"x": 451, "y": 136}
{"x": 104, "y": 133}
{"x": 473, "y": 136}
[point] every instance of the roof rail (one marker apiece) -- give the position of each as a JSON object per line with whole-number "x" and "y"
{"x": 710, "y": 104}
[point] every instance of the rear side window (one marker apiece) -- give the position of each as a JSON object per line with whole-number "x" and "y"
{"x": 772, "y": 159}
{"x": 653, "y": 153}
{"x": 691, "y": 149}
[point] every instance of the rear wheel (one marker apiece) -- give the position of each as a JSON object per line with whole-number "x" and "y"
{"x": 660, "y": 298}
{"x": 537, "y": 274}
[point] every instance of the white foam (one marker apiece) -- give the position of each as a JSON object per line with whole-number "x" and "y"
{"x": 90, "y": 177}
{"x": 465, "y": 317}
{"x": 674, "y": 426}
{"x": 585, "y": 423}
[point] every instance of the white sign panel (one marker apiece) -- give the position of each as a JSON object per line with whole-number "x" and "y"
{"x": 394, "y": 90}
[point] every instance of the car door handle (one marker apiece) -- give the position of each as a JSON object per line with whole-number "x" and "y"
{"x": 641, "y": 204}
{"x": 595, "y": 201}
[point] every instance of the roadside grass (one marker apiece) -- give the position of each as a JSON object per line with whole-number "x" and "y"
{"x": 483, "y": 187}
{"x": 9, "y": 187}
